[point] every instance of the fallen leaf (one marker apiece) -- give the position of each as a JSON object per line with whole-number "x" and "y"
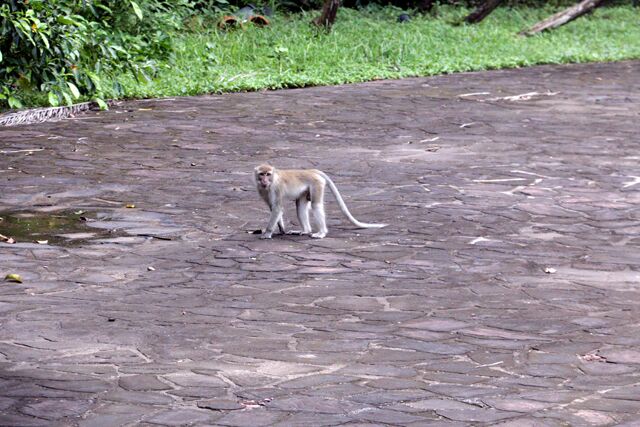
{"x": 150, "y": 268}
{"x": 12, "y": 277}
{"x": 464, "y": 95}
{"x": 435, "y": 138}
{"x": 524, "y": 96}
{"x": 593, "y": 357}
{"x": 550, "y": 270}
{"x": 42, "y": 242}
{"x": 130, "y": 206}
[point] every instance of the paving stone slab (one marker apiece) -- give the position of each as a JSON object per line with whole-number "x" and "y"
{"x": 251, "y": 417}
{"x": 180, "y": 417}
{"x": 139, "y": 397}
{"x": 220, "y": 404}
{"x": 21, "y": 420}
{"x": 306, "y": 419}
{"x": 142, "y": 382}
{"x": 54, "y": 409}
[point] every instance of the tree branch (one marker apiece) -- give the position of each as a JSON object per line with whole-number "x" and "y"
{"x": 561, "y": 18}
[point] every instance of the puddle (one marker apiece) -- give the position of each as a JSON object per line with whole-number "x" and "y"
{"x": 57, "y": 228}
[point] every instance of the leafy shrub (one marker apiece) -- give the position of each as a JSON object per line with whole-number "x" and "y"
{"x": 68, "y": 48}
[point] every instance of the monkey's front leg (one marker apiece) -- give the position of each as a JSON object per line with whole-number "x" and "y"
{"x": 275, "y": 219}
{"x": 283, "y": 230}
{"x": 281, "y": 225}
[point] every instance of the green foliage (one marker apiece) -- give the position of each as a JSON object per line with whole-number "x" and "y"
{"x": 102, "y": 49}
{"x": 68, "y": 48}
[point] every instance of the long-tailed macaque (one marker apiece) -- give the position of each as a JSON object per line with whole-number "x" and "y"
{"x": 306, "y": 187}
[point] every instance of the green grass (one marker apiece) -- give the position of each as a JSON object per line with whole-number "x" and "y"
{"x": 367, "y": 45}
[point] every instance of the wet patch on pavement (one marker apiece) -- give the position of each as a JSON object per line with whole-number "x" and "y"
{"x": 54, "y": 228}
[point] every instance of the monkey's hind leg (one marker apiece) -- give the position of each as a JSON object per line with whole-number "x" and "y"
{"x": 317, "y": 206}
{"x": 302, "y": 209}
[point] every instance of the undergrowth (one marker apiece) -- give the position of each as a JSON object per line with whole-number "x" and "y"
{"x": 369, "y": 44}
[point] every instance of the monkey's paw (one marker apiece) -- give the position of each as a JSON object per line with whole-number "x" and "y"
{"x": 318, "y": 235}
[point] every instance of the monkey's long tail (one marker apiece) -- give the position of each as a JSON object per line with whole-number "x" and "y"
{"x": 343, "y": 205}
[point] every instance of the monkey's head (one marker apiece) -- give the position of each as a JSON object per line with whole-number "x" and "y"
{"x": 264, "y": 175}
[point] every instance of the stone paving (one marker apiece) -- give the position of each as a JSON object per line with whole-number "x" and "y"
{"x": 505, "y": 292}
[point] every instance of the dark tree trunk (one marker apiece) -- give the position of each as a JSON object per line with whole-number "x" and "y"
{"x": 425, "y": 6}
{"x": 482, "y": 11}
{"x": 561, "y": 18}
{"x": 328, "y": 16}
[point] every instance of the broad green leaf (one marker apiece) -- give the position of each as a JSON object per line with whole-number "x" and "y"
{"x": 44, "y": 39}
{"x": 105, "y": 8}
{"x": 117, "y": 88}
{"x": 118, "y": 48}
{"x": 66, "y": 20}
{"x": 26, "y": 29}
{"x": 136, "y": 9}
{"x": 141, "y": 76}
{"x": 54, "y": 101}
{"x": 67, "y": 98}
{"x": 69, "y": 20}
{"x": 103, "y": 105}
{"x": 0, "y": 56}
{"x": 95, "y": 80}
{"x": 74, "y": 90}
{"x": 14, "y": 102}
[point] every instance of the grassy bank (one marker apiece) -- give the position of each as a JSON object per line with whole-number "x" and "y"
{"x": 371, "y": 45}
{"x": 367, "y": 45}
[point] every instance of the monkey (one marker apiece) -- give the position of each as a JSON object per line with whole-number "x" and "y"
{"x": 306, "y": 187}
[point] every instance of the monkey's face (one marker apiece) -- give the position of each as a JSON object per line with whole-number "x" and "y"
{"x": 264, "y": 177}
